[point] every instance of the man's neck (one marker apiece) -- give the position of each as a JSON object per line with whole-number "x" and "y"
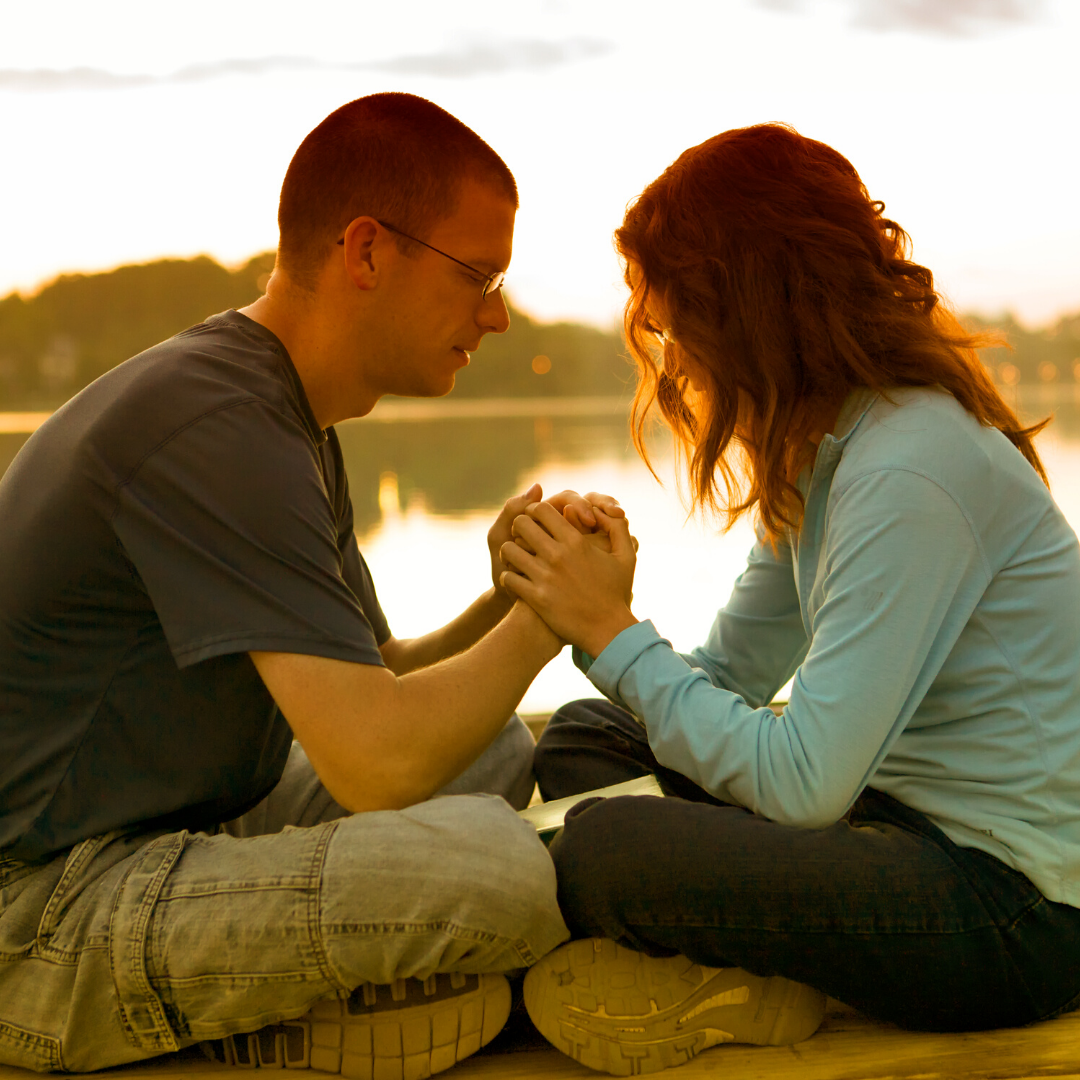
{"x": 305, "y": 331}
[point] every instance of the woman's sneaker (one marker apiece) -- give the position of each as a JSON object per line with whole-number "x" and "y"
{"x": 407, "y": 1030}
{"x": 625, "y": 1013}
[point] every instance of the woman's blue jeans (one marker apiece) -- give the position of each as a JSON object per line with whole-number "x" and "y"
{"x": 880, "y": 910}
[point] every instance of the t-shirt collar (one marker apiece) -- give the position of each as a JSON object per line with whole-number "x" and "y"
{"x": 256, "y": 329}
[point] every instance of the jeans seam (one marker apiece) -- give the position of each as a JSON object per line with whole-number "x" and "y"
{"x": 978, "y": 886}
{"x": 525, "y": 954}
{"x": 520, "y": 946}
{"x": 79, "y": 857}
{"x": 1070, "y": 1006}
{"x": 808, "y": 932}
{"x": 451, "y": 929}
{"x": 315, "y": 931}
{"x": 125, "y": 969}
{"x": 36, "y": 1041}
{"x": 254, "y": 978}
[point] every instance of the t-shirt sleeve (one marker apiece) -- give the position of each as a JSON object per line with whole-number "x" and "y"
{"x": 354, "y": 567}
{"x": 231, "y": 529}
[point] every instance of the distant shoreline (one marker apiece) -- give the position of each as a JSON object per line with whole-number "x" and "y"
{"x": 395, "y": 411}
{"x": 22, "y": 423}
{"x": 398, "y": 410}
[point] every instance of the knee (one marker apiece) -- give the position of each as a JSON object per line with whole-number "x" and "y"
{"x": 599, "y": 865}
{"x": 510, "y": 877}
{"x": 505, "y": 849}
{"x": 519, "y": 778}
{"x": 569, "y": 724}
{"x": 587, "y": 711}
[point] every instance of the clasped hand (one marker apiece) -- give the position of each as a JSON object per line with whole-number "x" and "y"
{"x": 577, "y": 509}
{"x": 577, "y": 574}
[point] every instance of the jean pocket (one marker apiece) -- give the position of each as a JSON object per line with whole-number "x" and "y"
{"x": 29, "y": 1049}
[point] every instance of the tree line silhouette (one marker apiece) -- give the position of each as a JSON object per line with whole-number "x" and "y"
{"x": 80, "y": 325}
{"x": 77, "y": 327}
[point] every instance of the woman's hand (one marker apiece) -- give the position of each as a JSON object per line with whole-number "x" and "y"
{"x": 577, "y": 509}
{"x": 580, "y": 584}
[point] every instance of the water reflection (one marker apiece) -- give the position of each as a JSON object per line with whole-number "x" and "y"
{"x": 10, "y": 444}
{"x": 452, "y": 465}
{"x": 455, "y": 466}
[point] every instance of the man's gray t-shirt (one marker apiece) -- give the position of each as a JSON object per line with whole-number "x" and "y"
{"x": 180, "y": 511}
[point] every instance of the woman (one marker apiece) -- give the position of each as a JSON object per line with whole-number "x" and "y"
{"x": 906, "y": 835}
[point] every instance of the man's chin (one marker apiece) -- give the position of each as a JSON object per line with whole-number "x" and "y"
{"x": 433, "y": 390}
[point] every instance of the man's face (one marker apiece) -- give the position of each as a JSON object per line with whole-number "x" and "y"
{"x": 434, "y": 313}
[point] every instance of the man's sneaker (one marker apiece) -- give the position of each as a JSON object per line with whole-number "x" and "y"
{"x": 624, "y": 1013}
{"x": 404, "y": 1031}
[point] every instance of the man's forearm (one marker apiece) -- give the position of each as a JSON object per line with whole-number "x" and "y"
{"x": 461, "y": 633}
{"x": 380, "y": 741}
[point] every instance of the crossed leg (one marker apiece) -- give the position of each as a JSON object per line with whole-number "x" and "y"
{"x": 132, "y": 946}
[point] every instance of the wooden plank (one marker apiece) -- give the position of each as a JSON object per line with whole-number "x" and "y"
{"x": 847, "y": 1047}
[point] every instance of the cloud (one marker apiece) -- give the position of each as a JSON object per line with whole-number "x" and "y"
{"x": 952, "y": 18}
{"x": 495, "y": 58}
{"x": 467, "y": 61}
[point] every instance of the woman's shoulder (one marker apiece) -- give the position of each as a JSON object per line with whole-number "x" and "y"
{"x": 925, "y": 429}
{"x": 926, "y": 433}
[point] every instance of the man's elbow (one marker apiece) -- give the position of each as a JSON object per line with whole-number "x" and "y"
{"x": 361, "y": 792}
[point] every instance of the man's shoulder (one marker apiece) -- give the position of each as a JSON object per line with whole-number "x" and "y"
{"x": 221, "y": 360}
{"x": 226, "y": 369}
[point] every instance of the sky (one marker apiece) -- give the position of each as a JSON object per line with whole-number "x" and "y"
{"x": 132, "y": 131}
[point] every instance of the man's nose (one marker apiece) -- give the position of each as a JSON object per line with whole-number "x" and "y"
{"x": 493, "y": 318}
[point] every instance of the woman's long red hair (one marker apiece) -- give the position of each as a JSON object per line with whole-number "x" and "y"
{"x": 785, "y": 288}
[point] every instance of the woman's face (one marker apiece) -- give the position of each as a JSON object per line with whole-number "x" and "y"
{"x": 658, "y": 316}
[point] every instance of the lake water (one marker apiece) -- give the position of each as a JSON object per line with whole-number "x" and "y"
{"x": 428, "y": 478}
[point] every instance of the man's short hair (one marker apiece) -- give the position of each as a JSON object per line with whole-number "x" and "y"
{"x": 396, "y": 157}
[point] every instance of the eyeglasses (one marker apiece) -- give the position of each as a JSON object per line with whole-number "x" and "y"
{"x": 492, "y": 282}
{"x": 663, "y": 337}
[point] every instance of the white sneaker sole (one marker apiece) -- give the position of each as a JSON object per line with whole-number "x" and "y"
{"x": 406, "y": 1031}
{"x": 624, "y": 1013}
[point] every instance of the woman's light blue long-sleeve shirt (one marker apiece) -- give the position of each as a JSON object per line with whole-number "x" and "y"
{"x": 929, "y": 609}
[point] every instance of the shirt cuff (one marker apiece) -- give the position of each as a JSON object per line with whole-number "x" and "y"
{"x": 582, "y": 660}
{"x": 623, "y": 649}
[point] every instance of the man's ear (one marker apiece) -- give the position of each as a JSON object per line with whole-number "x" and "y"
{"x": 364, "y": 252}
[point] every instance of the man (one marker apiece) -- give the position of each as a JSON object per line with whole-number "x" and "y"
{"x": 181, "y": 593}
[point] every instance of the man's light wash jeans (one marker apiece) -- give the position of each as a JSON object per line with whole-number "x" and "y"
{"x": 128, "y": 946}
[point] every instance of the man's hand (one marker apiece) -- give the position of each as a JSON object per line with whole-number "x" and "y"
{"x": 577, "y": 509}
{"x": 502, "y": 532}
{"x": 581, "y": 590}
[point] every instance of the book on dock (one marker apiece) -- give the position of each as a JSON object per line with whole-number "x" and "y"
{"x": 548, "y": 817}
